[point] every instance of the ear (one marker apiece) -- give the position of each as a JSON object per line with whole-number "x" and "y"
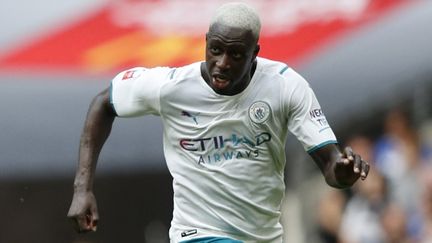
{"x": 256, "y": 51}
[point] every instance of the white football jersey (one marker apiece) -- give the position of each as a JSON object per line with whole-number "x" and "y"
{"x": 226, "y": 153}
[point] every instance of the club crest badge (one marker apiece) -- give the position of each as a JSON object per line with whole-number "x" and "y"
{"x": 259, "y": 112}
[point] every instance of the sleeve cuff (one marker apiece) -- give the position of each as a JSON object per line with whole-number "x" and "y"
{"x": 315, "y": 148}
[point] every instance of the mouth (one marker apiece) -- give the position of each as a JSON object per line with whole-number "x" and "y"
{"x": 220, "y": 81}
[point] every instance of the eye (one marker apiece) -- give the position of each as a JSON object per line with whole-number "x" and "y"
{"x": 215, "y": 50}
{"x": 237, "y": 55}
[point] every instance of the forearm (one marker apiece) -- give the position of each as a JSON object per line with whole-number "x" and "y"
{"x": 328, "y": 170}
{"x": 96, "y": 130}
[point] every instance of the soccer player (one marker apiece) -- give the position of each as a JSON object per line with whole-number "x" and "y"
{"x": 225, "y": 125}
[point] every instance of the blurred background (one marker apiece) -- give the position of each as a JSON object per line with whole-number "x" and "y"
{"x": 369, "y": 62}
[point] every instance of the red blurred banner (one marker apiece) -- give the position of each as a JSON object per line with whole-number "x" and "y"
{"x": 130, "y": 33}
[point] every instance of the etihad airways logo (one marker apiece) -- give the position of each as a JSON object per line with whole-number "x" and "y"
{"x": 221, "y": 148}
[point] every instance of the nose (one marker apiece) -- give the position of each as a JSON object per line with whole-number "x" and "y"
{"x": 223, "y": 62}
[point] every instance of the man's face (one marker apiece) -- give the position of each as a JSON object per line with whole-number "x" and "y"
{"x": 230, "y": 53}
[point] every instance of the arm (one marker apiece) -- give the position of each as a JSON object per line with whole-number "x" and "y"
{"x": 340, "y": 169}
{"x": 83, "y": 210}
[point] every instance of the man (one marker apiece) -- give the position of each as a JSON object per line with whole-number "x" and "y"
{"x": 225, "y": 125}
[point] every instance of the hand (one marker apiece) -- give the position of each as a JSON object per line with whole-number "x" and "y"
{"x": 351, "y": 166}
{"x": 83, "y": 212}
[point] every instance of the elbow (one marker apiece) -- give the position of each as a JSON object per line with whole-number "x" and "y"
{"x": 102, "y": 103}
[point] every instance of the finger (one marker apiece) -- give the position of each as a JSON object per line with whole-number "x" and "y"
{"x": 92, "y": 221}
{"x": 344, "y": 160}
{"x": 357, "y": 163}
{"x": 79, "y": 223}
{"x": 365, "y": 167}
{"x": 84, "y": 223}
{"x": 88, "y": 218}
{"x": 94, "y": 225}
{"x": 349, "y": 154}
{"x": 94, "y": 218}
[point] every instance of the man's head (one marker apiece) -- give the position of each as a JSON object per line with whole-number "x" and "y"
{"x": 232, "y": 46}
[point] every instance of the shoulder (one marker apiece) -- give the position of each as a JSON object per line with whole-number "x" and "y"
{"x": 128, "y": 74}
{"x": 160, "y": 74}
{"x": 275, "y": 70}
{"x": 185, "y": 72}
{"x": 137, "y": 73}
{"x": 271, "y": 67}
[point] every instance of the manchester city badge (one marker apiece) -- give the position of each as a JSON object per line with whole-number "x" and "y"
{"x": 259, "y": 112}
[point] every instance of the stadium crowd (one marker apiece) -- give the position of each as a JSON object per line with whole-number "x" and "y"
{"x": 394, "y": 204}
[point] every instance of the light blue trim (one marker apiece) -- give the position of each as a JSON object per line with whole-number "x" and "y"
{"x": 212, "y": 240}
{"x": 315, "y": 148}
{"x": 283, "y": 70}
{"x": 325, "y": 128}
{"x": 172, "y": 73}
{"x": 110, "y": 92}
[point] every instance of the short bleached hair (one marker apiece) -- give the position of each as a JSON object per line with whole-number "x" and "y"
{"x": 238, "y": 15}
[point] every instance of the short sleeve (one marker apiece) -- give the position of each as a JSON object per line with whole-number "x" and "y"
{"x": 135, "y": 92}
{"x": 306, "y": 120}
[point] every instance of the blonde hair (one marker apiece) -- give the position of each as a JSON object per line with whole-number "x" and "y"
{"x": 238, "y": 15}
